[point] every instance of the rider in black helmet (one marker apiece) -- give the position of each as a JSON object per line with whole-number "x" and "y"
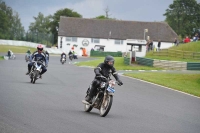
{"x": 105, "y": 69}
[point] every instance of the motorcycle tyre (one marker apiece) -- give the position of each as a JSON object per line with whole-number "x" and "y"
{"x": 103, "y": 112}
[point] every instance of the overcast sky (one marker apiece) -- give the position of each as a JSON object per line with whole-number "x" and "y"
{"x": 134, "y": 10}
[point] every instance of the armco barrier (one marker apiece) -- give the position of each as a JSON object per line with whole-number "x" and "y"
{"x": 144, "y": 61}
{"x": 103, "y": 54}
{"x": 193, "y": 66}
{"x": 126, "y": 61}
{"x": 172, "y": 65}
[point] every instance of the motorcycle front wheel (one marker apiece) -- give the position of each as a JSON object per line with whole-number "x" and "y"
{"x": 106, "y": 106}
{"x": 36, "y": 74}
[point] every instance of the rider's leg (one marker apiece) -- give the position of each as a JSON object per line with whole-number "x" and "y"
{"x": 43, "y": 71}
{"x": 95, "y": 84}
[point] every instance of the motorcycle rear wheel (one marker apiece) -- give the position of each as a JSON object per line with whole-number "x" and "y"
{"x": 105, "y": 107}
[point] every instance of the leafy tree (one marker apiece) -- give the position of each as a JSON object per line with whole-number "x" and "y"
{"x": 39, "y": 30}
{"x": 17, "y": 30}
{"x": 101, "y": 17}
{"x": 56, "y": 19}
{"x": 3, "y": 24}
{"x": 41, "y": 23}
{"x": 10, "y": 24}
{"x": 183, "y": 16}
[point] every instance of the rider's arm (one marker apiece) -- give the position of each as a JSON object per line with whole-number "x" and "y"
{"x": 114, "y": 73}
{"x": 44, "y": 58}
{"x": 98, "y": 69}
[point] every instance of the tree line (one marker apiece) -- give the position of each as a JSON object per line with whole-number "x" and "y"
{"x": 182, "y": 15}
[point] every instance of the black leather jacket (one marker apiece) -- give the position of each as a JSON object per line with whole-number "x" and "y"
{"x": 106, "y": 70}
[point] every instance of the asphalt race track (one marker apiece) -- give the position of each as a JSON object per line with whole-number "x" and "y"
{"x": 53, "y": 104}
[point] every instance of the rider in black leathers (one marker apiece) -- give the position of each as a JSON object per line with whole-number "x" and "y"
{"x": 104, "y": 69}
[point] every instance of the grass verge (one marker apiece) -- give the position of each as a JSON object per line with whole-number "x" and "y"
{"x": 1, "y": 58}
{"x": 15, "y": 49}
{"x": 188, "y": 83}
{"x": 119, "y": 64}
{"x": 186, "y": 47}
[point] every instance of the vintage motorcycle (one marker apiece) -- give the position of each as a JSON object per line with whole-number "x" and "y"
{"x": 103, "y": 98}
{"x": 35, "y": 71}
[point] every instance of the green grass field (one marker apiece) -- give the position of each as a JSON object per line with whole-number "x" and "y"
{"x": 15, "y": 49}
{"x": 1, "y": 57}
{"x": 187, "y": 47}
{"x": 189, "y": 83}
{"x": 119, "y": 64}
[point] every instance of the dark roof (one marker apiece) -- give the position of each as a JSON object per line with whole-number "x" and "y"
{"x": 97, "y": 28}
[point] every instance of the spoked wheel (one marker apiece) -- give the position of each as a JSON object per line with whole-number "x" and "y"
{"x": 36, "y": 73}
{"x": 105, "y": 107}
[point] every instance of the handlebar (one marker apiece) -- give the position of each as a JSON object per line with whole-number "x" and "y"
{"x": 108, "y": 79}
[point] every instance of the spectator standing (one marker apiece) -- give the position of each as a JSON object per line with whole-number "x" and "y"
{"x": 197, "y": 36}
{"x": 159, "y": 44}
{"x": 175, "y": 42}
{"x": 151, "y": 44}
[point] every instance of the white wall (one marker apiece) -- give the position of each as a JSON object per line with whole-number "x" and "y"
{"x": 108, "y": 43}
{"x": 19, "y": 43}
{"x": 164, "y": 45}
{"x": 29, "y": 44}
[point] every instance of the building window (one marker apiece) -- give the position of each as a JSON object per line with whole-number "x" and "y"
{"x": 119, "y": 42}
{"x": 95, "y": 40}
{"x": 71, "y": 39}
{"x": 74, "y": 39}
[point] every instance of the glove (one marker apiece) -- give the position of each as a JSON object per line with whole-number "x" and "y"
{"x": 98, "y": 74}
{"x": 119, "y": 82}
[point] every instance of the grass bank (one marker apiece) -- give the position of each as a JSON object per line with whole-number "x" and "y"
{"x": 1, "y": 58}
{"x": 119, "y": 64}
{"x": 15, "y": 49}
{"x": 192, "y": 47}
{"x": 189, "y": 83}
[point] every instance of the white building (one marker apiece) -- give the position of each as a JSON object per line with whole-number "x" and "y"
{"x": 111, "y": 35}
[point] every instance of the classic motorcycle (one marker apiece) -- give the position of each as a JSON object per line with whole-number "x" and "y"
{"x": 103, "y": 98}
{"x": 35, "y": 71}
